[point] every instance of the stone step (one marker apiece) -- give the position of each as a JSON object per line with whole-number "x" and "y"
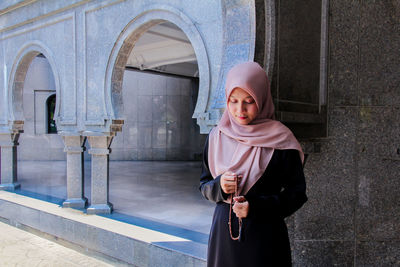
{"x": 128, "y": 239}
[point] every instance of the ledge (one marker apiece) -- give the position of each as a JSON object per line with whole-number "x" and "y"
{"x": 296, "y": 117}
{"x": 114, "y": 238}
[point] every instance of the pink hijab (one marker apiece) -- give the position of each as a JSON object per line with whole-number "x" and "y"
{"x": 247, "y": 149}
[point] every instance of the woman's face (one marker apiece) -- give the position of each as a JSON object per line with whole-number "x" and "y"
{"x": 242, "y": 106}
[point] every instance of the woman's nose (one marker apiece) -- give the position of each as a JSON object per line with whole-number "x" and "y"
{"x": 242, "y": 107}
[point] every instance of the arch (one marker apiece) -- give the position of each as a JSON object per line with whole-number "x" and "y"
{"x": 125, "y": 42}
{"x": 17, "y": 78}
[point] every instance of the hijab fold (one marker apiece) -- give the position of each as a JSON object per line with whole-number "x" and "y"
{"x": 248, "y": 149}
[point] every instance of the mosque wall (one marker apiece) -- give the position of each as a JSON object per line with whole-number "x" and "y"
{"x": 157, "y": 122}
{"x": 352, "y": 217}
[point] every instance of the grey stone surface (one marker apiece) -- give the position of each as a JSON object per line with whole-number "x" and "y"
{"x": 237, "y": 16}
{"x": 132, "y": 190}
{"x": 99, "y": 202}
{"x": 379, "y": 43}
{"x": 299, "y": 51}
{"x": 30, "y": 217}
{"x": 126, "y": 254}
{"x": 163, "y": 257}
{"x": 106, "y": 242}
{"x": 145, "y": 130}
{"x": 377, "y": 135}
{"x": 96, "y": 239}
{"x": 173, "y": 87}
{"x": 10, "y": 211}
{"x": 141, "y": 252}
{"x": 378, "y": 253}
{"x": 329, "y": 212}
{"x": 80, "y": 234}
{"x": 74, "y": 147}
{"x": 67, "y": 228}
{"x": 130, "y": 135}
{"x": 344, "y": 122}
{"x": 79, "y": 81}
{"x": 378, "y": 171}
{"x": 173, "y": 135}
{"x": 159, "y": 108}
{"x": 49, "y": 223}
{"x": 159, "y": 85}
{"x": 145, "y": 107}
{"x": 144, "y": 153}
{"x": 344, "y": 52}
{"x": 173, "y": 104}
{"x": 378, "y": 188}
{"x": 324, "y": 253}
{"x": 353, "y": 182}
{"x": 10, "y": 186}
{"x": 159, "y": 134}
{"x": 8, "y": 163}
{"x": 159, "y": 153}
{"x": 161, "y": 123}
{"x": 26, "y": 246}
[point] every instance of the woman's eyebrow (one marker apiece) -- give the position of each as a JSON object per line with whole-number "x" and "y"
{"x": 250, "y": 97}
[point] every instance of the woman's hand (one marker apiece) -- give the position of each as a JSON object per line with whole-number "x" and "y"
{"x": 241, "y": 207}
{"x": 228, "y": 182}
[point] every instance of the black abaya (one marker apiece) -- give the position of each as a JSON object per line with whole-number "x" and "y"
{"x": 279, "y": 192}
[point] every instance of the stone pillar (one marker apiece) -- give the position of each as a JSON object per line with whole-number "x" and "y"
{"x": 8, "y": 164}
{"x": 74, "y": 146}
{"x": 99, "y": 150}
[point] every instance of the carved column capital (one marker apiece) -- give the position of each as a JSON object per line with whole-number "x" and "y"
{"x": 9, "y": 139}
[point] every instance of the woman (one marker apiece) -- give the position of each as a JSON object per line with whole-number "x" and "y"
{"x": 256, "y": 163}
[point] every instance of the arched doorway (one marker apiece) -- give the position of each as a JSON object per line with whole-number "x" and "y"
{"x": 159, "y": 86}
{"x": 41, "y": 159}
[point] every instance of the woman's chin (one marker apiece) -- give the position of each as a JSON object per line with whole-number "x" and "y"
{"x": 242, "y": 122}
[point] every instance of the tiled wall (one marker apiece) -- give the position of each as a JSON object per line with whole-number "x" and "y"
{"x": 352, "y": 217}
{"x": 158, "y": 119}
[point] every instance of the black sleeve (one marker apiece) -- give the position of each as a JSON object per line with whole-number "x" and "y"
{"x": 293, "y": 195}
{"x": 210, "y": 187}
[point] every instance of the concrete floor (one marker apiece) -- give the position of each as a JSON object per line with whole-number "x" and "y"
{"x": 160, "y": 191}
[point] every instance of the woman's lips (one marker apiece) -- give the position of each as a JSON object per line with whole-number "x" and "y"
{"x": 242, "y": 117}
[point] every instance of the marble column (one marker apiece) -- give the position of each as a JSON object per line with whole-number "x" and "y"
{"x": 8, "y": 163}
{"x": 74, "y": 147}
{"x": 100, "y": 150}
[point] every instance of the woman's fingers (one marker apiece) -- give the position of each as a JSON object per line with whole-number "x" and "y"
{"x": 228, "y": 182}
{"x": 239, "y": 199}
{"x": 232, "y": 177}
{"x": 241, "y": 209}
{"x": 228, "y": 189}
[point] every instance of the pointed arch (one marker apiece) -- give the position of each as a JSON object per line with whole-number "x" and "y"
{"x": 125, "y": 42}
{"x": 17, "y": 77}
